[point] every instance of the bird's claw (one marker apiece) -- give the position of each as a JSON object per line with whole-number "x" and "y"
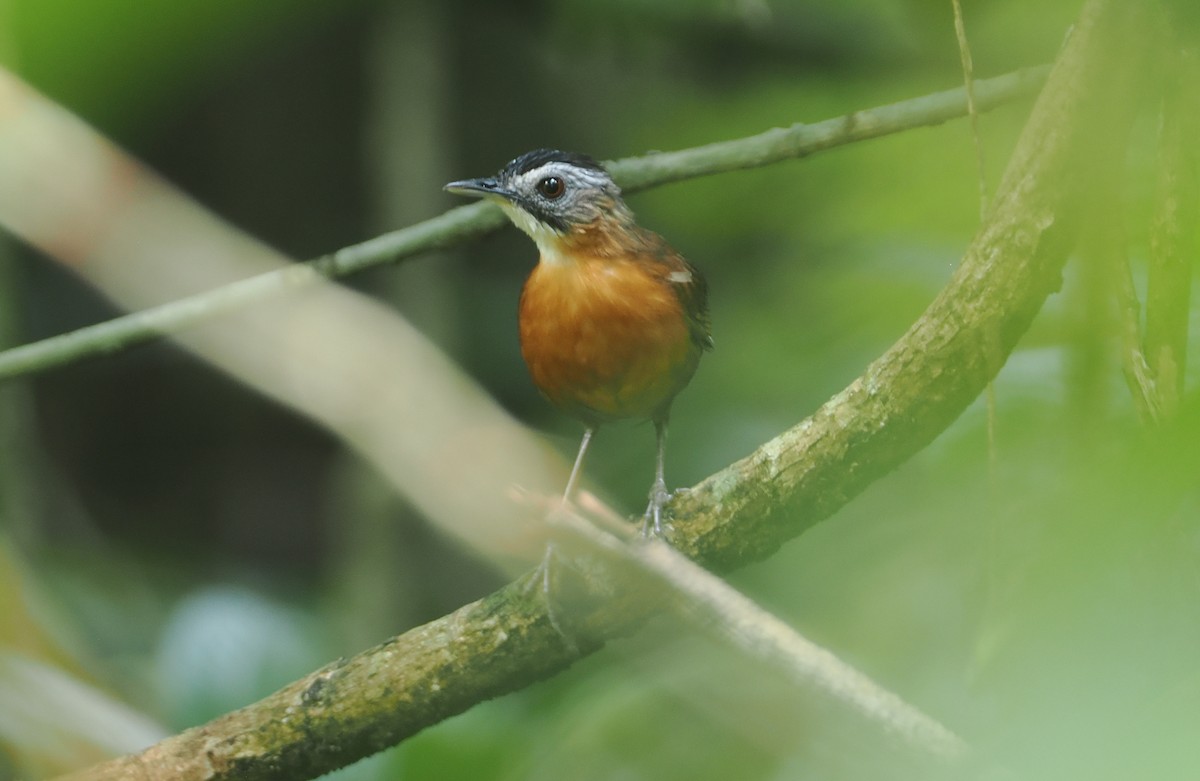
{"x": 652, "y": 521}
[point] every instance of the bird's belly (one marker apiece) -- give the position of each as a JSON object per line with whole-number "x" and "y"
{"x": 608, "y": 346}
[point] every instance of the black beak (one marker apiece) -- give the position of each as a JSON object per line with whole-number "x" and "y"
{"x": 480, "y": 187}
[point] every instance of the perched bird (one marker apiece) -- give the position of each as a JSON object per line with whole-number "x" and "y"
{"x": 612, "y": 320}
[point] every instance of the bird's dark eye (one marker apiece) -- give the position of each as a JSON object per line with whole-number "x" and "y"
{"x": 551, "y": 187}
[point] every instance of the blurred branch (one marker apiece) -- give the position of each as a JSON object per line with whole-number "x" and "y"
{"x": 468, "y": 222}
{"x": 1134, "y": 366}
{"x": 1173, "y": 236}
{"x": 507, "y": 640}
{"x": 53, "y": 720}
{"x": 717, "y": 607}
{"x": 1154, "y": 351}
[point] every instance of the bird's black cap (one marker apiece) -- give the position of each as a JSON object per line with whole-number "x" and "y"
{"x": 531, "y": 160}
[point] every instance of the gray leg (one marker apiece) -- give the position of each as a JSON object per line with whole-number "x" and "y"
{"x": 544, "y": 569}
{"x": 652, "y": 523}
{"x": 575, "y": 470}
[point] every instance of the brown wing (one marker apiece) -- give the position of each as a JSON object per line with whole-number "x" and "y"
{"x": 686, "y": 281}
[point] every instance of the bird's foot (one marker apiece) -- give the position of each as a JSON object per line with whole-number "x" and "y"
{"x": 652, "y": 521}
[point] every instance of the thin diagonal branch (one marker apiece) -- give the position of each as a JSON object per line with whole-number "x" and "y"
{"x": 968, "y": 69}
{"x": 501, "y": 643}
{"x": 469, "y": 222}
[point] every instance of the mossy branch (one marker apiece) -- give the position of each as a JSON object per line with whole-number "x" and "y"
{"x": 501, "y": 643}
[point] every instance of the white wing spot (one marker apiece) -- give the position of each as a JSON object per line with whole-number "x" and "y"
{"x": 680, "y": 277}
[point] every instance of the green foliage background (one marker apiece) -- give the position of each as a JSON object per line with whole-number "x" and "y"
{"x": 187, "y": 548}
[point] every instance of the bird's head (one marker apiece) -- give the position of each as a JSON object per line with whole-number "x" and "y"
{"x": 551, "y": 194}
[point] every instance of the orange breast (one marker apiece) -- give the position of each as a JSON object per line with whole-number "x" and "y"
{"x": 605, "y": 338}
